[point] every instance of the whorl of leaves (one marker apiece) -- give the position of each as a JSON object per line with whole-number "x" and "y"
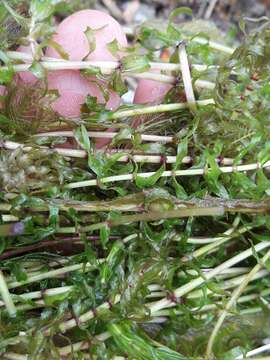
{"x": 27, "y": 109}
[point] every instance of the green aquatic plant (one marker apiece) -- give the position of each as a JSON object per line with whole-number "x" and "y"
{"x": 157, "y": 246}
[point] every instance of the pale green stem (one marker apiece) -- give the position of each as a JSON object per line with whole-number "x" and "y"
{"x": 154, "y": 109}
{"x": 235, "y": 295}
{"x": 163, "y": 303}
{"x": 259, "y": 350}
{"x": 69, "y": 324}
{"x": 207, "y": 249}
{"x": 214, "y": 45}
{"x": 107, "y": 66}
{"x": 57, "y": 66}
{"x": 186, "y": 76}
{"x": 14, "y": 356}
{"x": 6, "y": 296}
{"x": 145, "y": 216}
{"x": 109, "y": 135}
{"x": 126, "y": 155}
{"x": 154, "y": 288}
{"x": 83, "y": 344}
{"x": 217, "y": 305}
{"x": 9, "y": 218}
{"x": 189, "y": 172}
{"x": 53, "y": 273}
{"x": 214, "y": 240}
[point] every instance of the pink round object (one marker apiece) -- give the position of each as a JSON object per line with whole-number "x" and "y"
{"x": 151, "y": 92}
{"x": 70, "y": 35}
{"x": 72, "y": 87}
{"x": 27, "y": 76}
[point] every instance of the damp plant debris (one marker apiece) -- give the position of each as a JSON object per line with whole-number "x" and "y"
{"x": 132, "y": 230}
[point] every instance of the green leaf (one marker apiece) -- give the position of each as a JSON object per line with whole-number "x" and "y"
{"x": 40, "y": 10}
{"x": 91, "y": 38}
{"x": 58, "y": 48}
{"x": 182, "y": 150}
{"x": 55, "y": 299}
{"x": 113, "y": 47}
{"x": 93, "y": 105}
{"x": 81, "y": 136}
{"x": 179, "y": 11}
{"x": 132, "y": 342}
{"x": 112, "y": 260}
{"x": 104, "y": 233}
{"x": 135, "y": 63}
{"x": 38, "y": 70}
{"x": 117, "y": 83}
{"x": 149, "y": 181}
{"x": 54, "y": 216}
{"x": 6, "y": 75}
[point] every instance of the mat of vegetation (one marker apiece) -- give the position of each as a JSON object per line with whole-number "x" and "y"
{"x": 157, "y": 245}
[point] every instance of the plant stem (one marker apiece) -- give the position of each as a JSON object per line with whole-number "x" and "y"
{"x": 14, "y": 356}
{"x": 186, "y": 76}
{"x": 50, "y": 243}
{"x": 208, "y": 307}
{"x": 189, "y": 172}
{"x": 127, "y": 155}
{"x": 83, "y": 344}
{"x": 214, "y": 45}
{"x": 109, "y": 135}
{"x": 66, "y": 65}
{"x": 154, "y": 288}
{"x": 235, "y": 295}
{"x": 200, "y": 280}
{"x": 6, "y": 296}
{"x": 107, "y": 66}
{"x": 216, "y": 244}
{"x": 53, "y": 273}
{"x": 256, "y": 351}
{"x": 154, "y": 109}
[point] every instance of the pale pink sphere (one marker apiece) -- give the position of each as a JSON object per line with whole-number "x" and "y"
{"x": 26, "y": 76}
{"x": 151, "y": 92}
{"x": 72, "y": 87}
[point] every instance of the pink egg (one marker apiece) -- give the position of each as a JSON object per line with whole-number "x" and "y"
{"x": 26, "y": 76}
{"x": 150, "y": 92}
{"x": 72, "y": 87}
{"x": 70, "y": 35}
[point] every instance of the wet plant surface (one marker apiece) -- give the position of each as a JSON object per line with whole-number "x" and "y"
{"x": 156, "y": 245}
